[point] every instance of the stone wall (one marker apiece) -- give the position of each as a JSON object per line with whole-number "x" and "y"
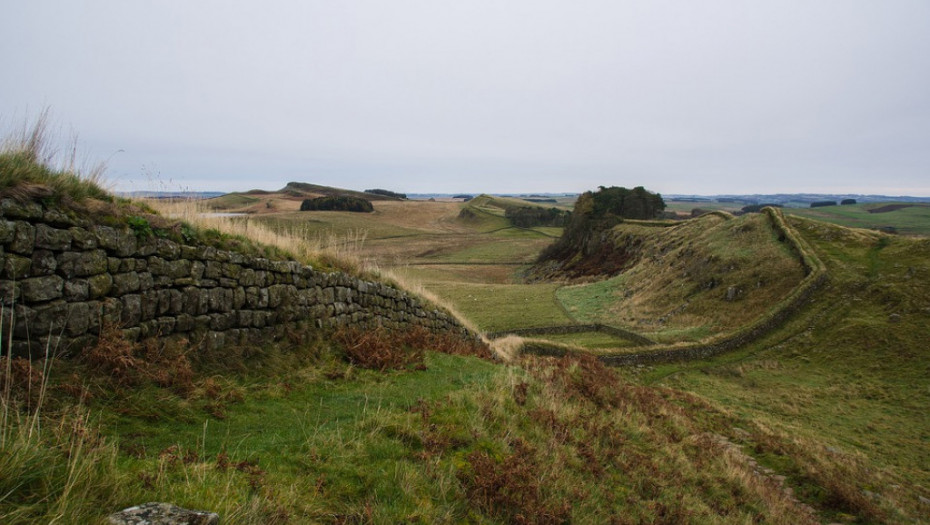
{"x": 62, "y": 277}
{"x": 620, "y": 333}
{"x": 816, "y": 277}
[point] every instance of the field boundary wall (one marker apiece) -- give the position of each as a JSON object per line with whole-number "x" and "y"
{"x": 63, "y": 277}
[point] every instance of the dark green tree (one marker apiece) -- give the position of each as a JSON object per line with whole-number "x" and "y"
{"x": 597, "y": 211}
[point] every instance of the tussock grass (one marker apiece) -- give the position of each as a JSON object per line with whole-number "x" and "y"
{"x": 32, "y": 167}
{"x": 52, "y": 469}
{"x": 291, "y": 241}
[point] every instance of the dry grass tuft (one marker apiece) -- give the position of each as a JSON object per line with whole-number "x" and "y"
{"x": 124, "y": 364}
{"x": 383, "y": 349}
{"x": 509, "y": 488}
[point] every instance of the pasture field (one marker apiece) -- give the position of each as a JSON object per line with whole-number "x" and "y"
{"x": 906, "y": 218}
{"x": 497, "y": 307}
{"x": 685, "y": 207}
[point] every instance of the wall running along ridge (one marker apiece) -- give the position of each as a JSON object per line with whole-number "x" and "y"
{"x": 816, "y": 276}
{"x": 63, "y": 277}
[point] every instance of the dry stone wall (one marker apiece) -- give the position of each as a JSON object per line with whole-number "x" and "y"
{"x": 62, "y": 277}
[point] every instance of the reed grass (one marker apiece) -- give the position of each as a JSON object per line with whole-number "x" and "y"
{"x": 31, "y": 165}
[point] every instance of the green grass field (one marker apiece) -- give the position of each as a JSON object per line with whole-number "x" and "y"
{"x": 910, "y": 220}
{"x": 496, "y": 307}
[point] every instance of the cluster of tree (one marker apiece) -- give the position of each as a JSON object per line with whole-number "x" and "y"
{"x": 821, "y": 204}
{"x": 387, "y": 193}
{"x": 620, "y": 203}
{"x": 597, "y": 211}
{"x": 531, "y": 216}
{"x": 464, "y": 196}
{"x": 846, "y": 202}
{"x": 336, "y": 203}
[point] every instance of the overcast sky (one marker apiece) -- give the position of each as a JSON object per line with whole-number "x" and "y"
{"x": 705, "y": 97}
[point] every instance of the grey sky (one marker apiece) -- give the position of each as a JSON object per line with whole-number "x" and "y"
{"x": 726, "y": 96}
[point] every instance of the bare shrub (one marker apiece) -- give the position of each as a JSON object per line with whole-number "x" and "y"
{"x": 21, "y": 382}
{"x": 383, "y": 349}
{"x": 378, "y": 349}
{"x": 509, "y": 488}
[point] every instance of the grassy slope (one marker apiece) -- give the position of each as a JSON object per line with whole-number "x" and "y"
{"x": 310, "y": 439}
{"x": 303, "y": 437}
{"x": 677, "y": 288}
{"x": 852, "y": 370}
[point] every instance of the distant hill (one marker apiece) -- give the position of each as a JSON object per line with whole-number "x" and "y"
{"x": 304, "y": 190}
{"x": 288, "y": 198}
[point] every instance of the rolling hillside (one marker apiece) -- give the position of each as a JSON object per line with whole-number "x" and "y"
{"x": 819, "y": 419}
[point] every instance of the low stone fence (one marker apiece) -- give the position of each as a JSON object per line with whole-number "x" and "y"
{"x": 62, "y": 277}
{"x": 576, "y": 329}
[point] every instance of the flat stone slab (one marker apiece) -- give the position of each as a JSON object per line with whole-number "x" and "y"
{"x": 162, "y": 514}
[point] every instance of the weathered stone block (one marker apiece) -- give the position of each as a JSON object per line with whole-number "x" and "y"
{"x": 24, "y": 237}
{"x": 82, "y": 264}
{"x": 80, "y": 318}
{"x": 175, "y": 302}
{"x": 16, "y": 266}
{"x": 41, "y": 289}
{"x": 6, "y": 231}
{"x": 165, "y": 325}
{"x": 117, "y": 242}
{"x": 146, "y": 281}
{"x": 20, "y": 210}
{"x": 149, "y": 304}
{"x": 99, "y": 285}
{"x": 184, "y": 323}
{"x": 82, "y": 239}
{"x": 162, "y": 514}
{"x": 58, "y": 217}
{"x": 49, "y": 318}
{"x": 232, "y": 271}
{"x": 167, "y": 249}
{"x": 223, "y": 321}
{"x": 125, "y": 283}
{"x": 131, "y": 313}
{"x": 146, "y": 247}
{"x": 192, "y": 301}
{"x": 238, "y": 298}
{"x": 112, "y": 309}
{"x": 220, "y": 299}
{"x": 213, "y": 270}
{"x": 245, "y": 318}
{"x": 43, "y": 263}
{"x": 76, "y": 290}
{"x": 48, "y": 238}
{"x": 125, "y": 265}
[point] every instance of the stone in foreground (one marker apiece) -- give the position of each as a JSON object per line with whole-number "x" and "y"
{"x": 162, "y": 514}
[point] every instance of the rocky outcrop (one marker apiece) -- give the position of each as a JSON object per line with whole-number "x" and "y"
{"x": 62, "y": 277}
{"x": 162, "y": 514}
